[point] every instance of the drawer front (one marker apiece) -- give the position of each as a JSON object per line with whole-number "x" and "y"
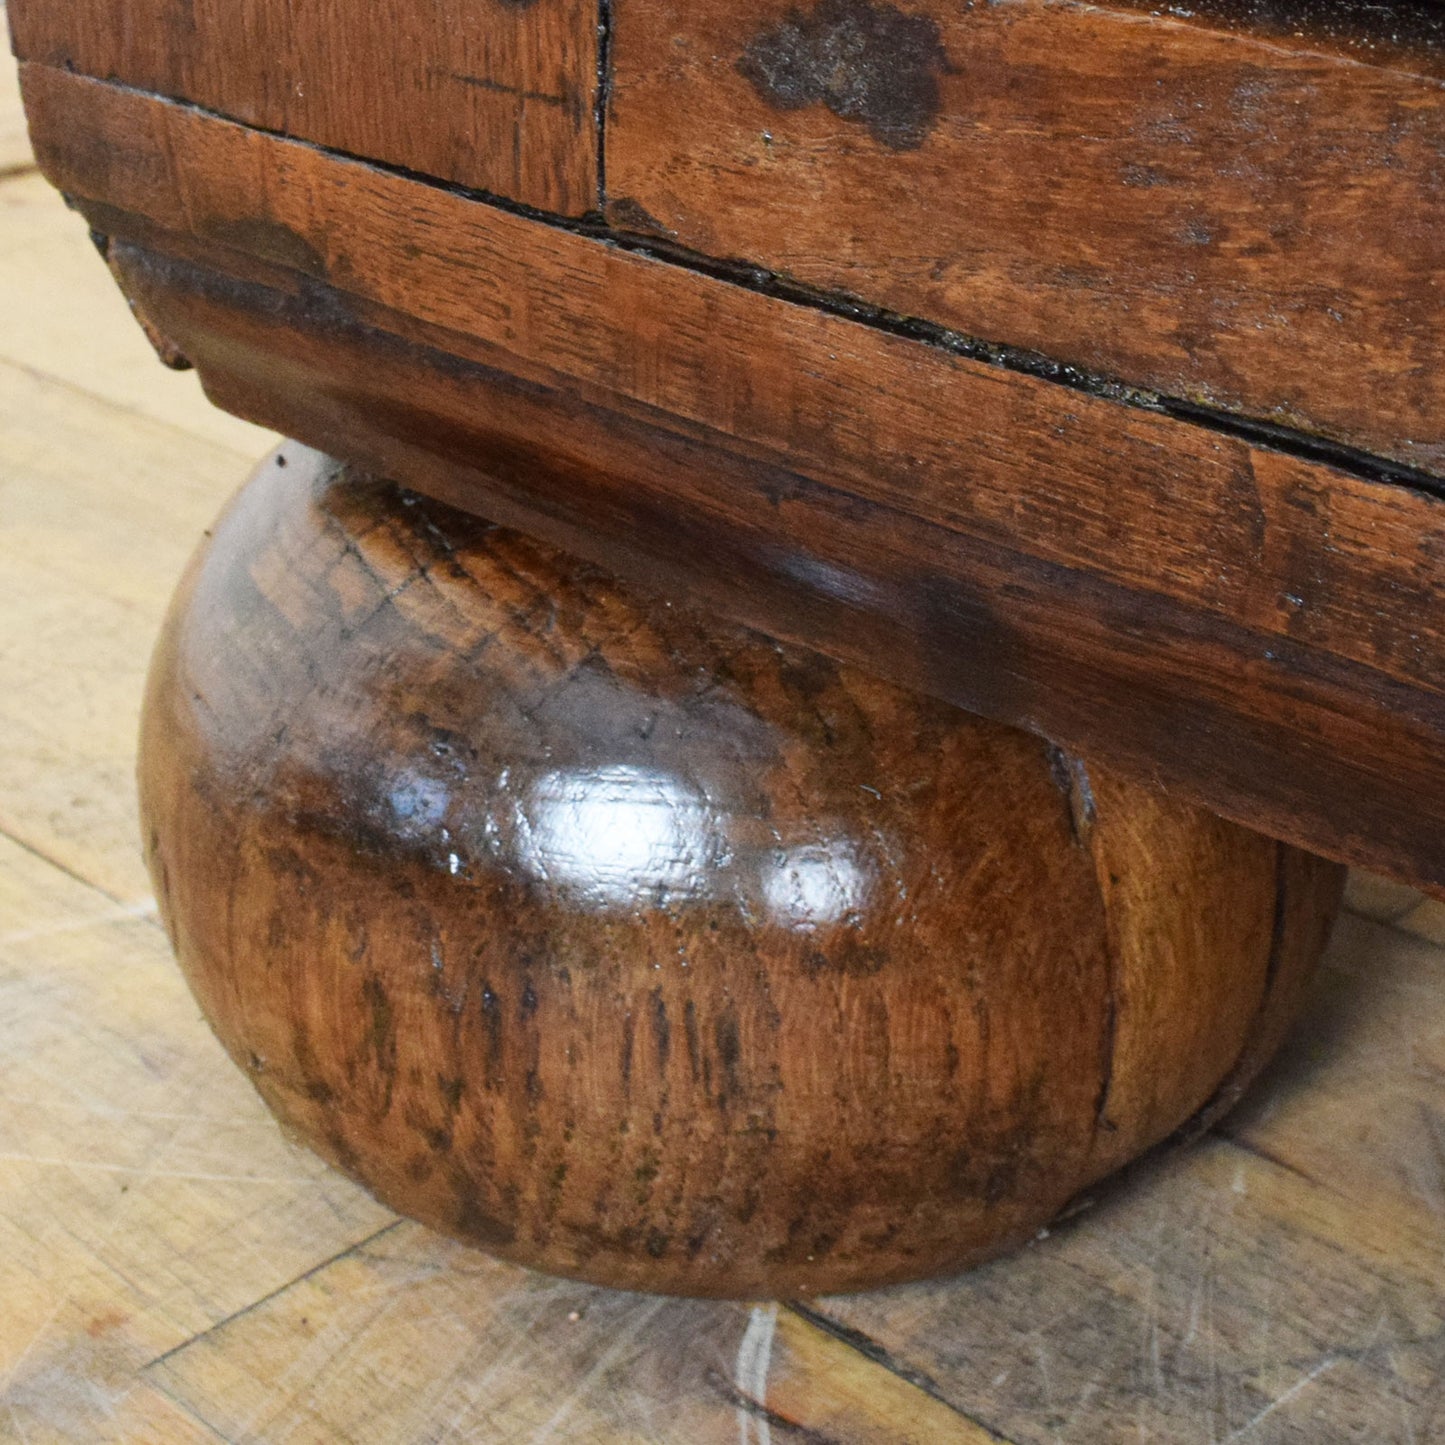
{"x": 494, "y": 94}
{"x": 1242, "y": 220}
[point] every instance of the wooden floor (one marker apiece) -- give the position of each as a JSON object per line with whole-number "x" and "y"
{"x": 171, "y": 1270}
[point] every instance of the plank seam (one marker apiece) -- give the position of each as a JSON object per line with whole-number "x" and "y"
{"x": 266, "y": 1298}
{"x": 604, "y": 97}
{"x": 40, "y": 855}
{"x": 871, "y": 1350}
{"x": 187, "y": 1410}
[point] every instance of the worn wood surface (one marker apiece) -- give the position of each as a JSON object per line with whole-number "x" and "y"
{"x": 488, "y": 93}
{"x": 1278, "y": 1301}
{"x": 1234, "y": 218}
{"x": 1028, "y": 552}
{"x": 638, "y": 947}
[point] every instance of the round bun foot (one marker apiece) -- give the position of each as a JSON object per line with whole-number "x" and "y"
{"x": 638, "y": 947}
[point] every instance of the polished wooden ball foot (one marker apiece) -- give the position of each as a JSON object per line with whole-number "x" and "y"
{"x": 638, "y": 947}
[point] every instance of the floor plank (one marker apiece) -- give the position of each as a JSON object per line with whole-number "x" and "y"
{"x": 145, "y": 1195}
{"x": 1218, "y": 1297}
{"x": 65, "y": 317}
{"x": 411, "y": 1338}
{"x": 1356, "y": 1100}
{"x": 1397, "y": 904}
{"x": 99, "y": 509}
{"x": 14, "y": 142}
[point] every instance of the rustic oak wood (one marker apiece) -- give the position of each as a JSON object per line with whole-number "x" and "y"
{"x": 640, "y": 948}
{"x": 495, "y": 94}
{"x": 1228, "y": 215}
{"x": 1029, "y": 552}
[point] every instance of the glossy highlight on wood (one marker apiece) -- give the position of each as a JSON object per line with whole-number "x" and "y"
{"x": 639, "y": 947}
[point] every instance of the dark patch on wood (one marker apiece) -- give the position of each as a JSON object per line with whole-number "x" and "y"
{"x": 868, "y": 63}
{"x": 661, "y": 1029}
{"x": 475, "y": 1222}
{"x": 438, "y": 1140}
{"x": 624, "y": 1062}
{"x": 627, "y": 214}
{"x": 729, "y": 1052}
{"x": 492, "y": 1021}
{"x": 694, "y": 1043}
{"x": 528, "y": 1005}
{"x": 268, "y": 239}
{"x": 848, "y": 955}
{"x": 383, "y": 1025}
{"x": 451, "y": 1089}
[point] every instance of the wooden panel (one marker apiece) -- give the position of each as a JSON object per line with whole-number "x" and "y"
{"x": 1236, "y": 219}
{"x": 514, "y": 1357}
{"x": 493, "y": 94}
{"x": 1255, "y": 627}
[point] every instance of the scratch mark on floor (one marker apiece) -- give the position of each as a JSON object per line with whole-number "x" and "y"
{"x": 1304, "y": 1381}
{"x": 144, "y": 909}
{"x": 605, "y": 1360}
{"x": 755, "y": 1355}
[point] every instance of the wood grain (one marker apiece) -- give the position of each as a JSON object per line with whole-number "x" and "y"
{"x": 1028, "y": 552}
{"x": 491, "y": 94}
{"x": 1234, "y": 218}
{"x": 642, "y": 949}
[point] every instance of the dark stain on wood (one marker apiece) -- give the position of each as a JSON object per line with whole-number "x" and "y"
{"x": 627, "y": 214}
{"x": 869, "y": 63}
